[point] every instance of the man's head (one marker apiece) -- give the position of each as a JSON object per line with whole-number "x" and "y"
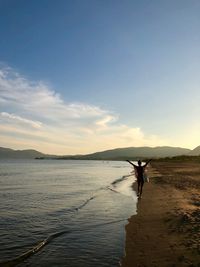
{"x": 139, "y": 162}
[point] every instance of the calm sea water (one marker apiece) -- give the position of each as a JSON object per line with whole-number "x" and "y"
{"x": 75, "y": 211}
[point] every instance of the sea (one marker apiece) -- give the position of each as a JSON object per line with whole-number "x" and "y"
{"x": 69, "y": 213}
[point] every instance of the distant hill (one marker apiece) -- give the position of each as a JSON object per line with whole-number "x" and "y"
{"x": 134, "y": 153}
{"x": 8, "y": 153}
{"x": 131, "y": 153}
{"x": 195, "y": 151}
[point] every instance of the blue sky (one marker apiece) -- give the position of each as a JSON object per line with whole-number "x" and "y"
{"x": 82, "y": 76}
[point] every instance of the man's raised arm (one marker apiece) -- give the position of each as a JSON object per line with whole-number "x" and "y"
{"x": 147, "y": 162}
{"x": 131, "y": 163}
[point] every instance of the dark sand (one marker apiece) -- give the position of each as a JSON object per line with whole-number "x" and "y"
{"x": 166, "y": 230}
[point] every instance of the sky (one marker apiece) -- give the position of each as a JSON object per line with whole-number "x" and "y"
{"x": 81, "y": 76}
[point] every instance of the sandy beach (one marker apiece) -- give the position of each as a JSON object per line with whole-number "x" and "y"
{"x": 166, "y": 230}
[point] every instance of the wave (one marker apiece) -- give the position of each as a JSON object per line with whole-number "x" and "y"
{"x": 85, "y": 203}
{"x": 96, "y": 193}
{"x": 112, "y": 189}
{"x": 75, "y": 209}
{"x": 41, "y": 244}
{"x": 119, "y": 180}
{"x": 33, "y": 250}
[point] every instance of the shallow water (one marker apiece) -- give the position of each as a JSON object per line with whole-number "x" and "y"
{"x": 75, "y": 210}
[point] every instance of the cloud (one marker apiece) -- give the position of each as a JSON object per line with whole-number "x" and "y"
{"x": 38, "y": 98}
{"x": 105, "y": 122}
{"x": 8, "y": 116}
{"x": 33, "y": 115}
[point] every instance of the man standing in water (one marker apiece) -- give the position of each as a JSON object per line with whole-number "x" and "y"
{"x": 139, "y": 173}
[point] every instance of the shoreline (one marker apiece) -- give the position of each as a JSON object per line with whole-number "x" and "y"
{"x": 166, "y": 229}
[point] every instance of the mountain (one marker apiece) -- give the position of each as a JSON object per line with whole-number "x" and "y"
{"x": 195, "y": 151}
{"x": 134, "y": 153}
{"x": 131, "y": 153}
{"x": 20, "y": 154}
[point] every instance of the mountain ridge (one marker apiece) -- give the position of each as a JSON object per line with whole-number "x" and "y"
{"x": 20, "y": 154}
{"x": 195, "y": 151}
{"x": 110, "y": 154}
{"x": 137, "y": 152}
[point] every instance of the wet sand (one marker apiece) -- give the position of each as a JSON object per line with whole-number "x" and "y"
{"x": 166, "y": 230}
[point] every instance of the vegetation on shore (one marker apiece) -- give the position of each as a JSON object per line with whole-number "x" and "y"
{"x": 179, "y": 159}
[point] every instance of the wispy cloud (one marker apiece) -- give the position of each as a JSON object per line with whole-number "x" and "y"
{"x": 15, "y": 118}
{"x": 34, "y": 115}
